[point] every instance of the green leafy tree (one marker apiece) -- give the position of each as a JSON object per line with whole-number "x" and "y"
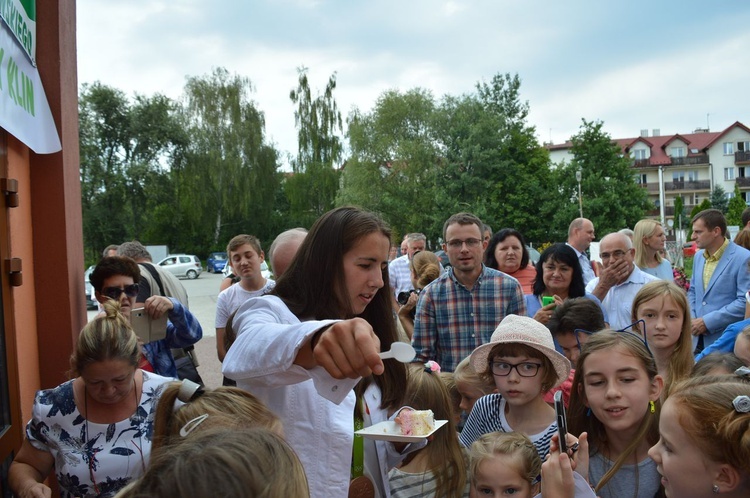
{"x": 394, "y": 161}
{"x": 124, "y": 145}
{"x": 705, "y": 204}
{"x": 611, "y": 198}
{"x": 719, "y": 199}
{"x": 227, "y": 176}
{"x": 679, "y": 212}
{"x": 735, "y": 208}
{"x": 494, "y": 166}
{"x": 311, "y": 190}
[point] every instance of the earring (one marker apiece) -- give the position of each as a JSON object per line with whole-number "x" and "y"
{"x": 652, "y": 407}
{"x": 715, "y": 489}
{"x": 588, "y": 412}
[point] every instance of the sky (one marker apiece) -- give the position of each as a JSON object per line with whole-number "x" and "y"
{"x": 672, "y": 65}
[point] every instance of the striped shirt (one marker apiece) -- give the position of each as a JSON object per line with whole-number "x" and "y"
{"x": 420, "y": 485}
{"x": 488, "y": 415}
{"x": 451, "y": 320}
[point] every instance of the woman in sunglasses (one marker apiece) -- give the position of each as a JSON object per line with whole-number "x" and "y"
{"x": 117, "y": 278}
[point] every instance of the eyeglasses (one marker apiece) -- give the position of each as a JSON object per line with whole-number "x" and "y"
{"x": 115, "y": 292}
{"x": 525, "y": 369}
{"x": 458, "y": 243}
{"x": 638, "y": 325}
{"x": 617, "y": 255}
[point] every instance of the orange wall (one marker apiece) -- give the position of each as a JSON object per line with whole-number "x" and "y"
{"x": 24, "y": 306}
{"x": 46, "y": 229}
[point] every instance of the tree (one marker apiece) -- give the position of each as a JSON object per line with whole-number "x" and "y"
{"x": 394, "y": 161}
{"x": 228, "y": 175}
{"x": 311, "y": 190}
{"x": 124, "y": 145}
{"x": 679, "y": 213}
{"x": 735, "y": 208}
{"x": 719, "y": 199}
{"x": 705, "y": 204}
{"x": 611, "y": 198}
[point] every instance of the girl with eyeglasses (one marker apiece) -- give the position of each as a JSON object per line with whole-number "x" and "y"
{"x": 664, "y": 310}
{"x": 522, "y": 360}
{"x": 615, "y": 399}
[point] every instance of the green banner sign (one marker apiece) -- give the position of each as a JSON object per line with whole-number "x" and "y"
{"x": 20, "y": 16}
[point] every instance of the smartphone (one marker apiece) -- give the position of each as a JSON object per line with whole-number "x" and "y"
{"x": 146, "y": 328}
{"x": 562, "y": 421}
{"x": 548, "y": 300}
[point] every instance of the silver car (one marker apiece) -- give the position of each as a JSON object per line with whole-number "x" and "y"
{"x": 182, "y": 265}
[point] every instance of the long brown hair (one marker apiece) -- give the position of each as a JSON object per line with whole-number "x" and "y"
{"x": 313, "y": 287}
{"x": 445, "y": 458}
{"x": 578, "y": 419}
{"x": 681, "y": 360}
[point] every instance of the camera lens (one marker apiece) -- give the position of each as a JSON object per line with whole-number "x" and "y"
{"x": 403, "y": 297}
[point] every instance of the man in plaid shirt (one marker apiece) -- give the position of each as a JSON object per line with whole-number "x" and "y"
{"x": 460, "y": 310}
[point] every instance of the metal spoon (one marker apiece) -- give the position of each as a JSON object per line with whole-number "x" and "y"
{"x": 400, "y": 351}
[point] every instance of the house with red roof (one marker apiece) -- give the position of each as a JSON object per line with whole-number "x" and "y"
{"x": 691, "y": 164}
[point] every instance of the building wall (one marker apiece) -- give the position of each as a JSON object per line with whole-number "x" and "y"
{"x": 46, "y": 229}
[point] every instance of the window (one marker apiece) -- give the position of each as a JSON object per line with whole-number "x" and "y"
{"x": 641, "y": 179}
{"x": 729, "y": 174}
{"x": 639, "y": 154}
{"x": 743, "y": 146}
{"x": 729, "y": 195}
{"x": 677, "y": 152}
{"x": 678, "y": 176}
{"x": 728, "y": 148}
{"x": 692, "y": 176}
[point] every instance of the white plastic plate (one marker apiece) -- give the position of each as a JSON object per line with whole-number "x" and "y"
{"x": 391, "y": 431}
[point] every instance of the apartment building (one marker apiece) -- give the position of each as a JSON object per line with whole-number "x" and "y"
{"x": 691, "y": 164}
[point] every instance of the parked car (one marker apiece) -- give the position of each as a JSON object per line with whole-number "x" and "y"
{"x": 216, "y": 262}
{"x": 263, "y": 270}
{"x": 91, "y": 303}
{"x": 182, "y": 265}
{"x": 689, "y": 249}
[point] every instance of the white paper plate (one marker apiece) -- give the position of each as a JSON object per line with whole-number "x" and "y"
{"x": 391, "y": 431}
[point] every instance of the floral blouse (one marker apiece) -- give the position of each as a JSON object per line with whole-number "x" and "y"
{"x": 93, "y": 460}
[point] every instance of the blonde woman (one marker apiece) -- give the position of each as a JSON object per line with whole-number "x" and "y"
{"x": 648, "y": 239}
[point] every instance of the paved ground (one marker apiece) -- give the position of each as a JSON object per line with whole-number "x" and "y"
{"x": 202, "y": 293}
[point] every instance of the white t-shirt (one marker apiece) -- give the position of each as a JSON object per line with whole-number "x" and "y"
{"x": 232, "y": 298}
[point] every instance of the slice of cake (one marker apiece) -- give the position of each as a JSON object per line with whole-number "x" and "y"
{"x": 416, "y": 422}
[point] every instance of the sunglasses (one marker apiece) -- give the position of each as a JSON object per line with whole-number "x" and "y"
{"x": 115, "y": 292}
{"x": 637, "y": 325}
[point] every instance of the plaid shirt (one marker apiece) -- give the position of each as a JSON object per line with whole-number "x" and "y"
{"x": 452, "y": 321}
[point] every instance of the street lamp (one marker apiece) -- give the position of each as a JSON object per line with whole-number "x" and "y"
{"x": 580, "y": 198}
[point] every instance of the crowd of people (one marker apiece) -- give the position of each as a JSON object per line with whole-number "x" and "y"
{"x": 655, "y": 381}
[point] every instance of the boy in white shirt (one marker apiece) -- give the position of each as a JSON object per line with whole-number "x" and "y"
{"x": 245, "y": 256}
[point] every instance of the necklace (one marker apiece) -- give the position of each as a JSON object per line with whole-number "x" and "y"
{"x": 92, "y": 452}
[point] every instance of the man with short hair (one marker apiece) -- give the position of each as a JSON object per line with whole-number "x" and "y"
{"x": 283, "y": 249}
{"x": 487, "y": 233}
{"x": 580, "y": 236}
{"x": 720, "y": 279}
{"x": 110, "y": 250}
{"x": 399, "y": 272}
{"x": 620, "y": 279}
{"x": 459, "y": 311}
